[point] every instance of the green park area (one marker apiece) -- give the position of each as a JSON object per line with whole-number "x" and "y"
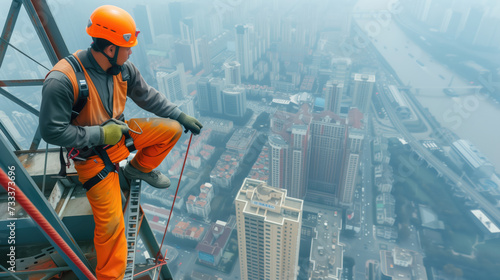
{"x": 462, "y": 250}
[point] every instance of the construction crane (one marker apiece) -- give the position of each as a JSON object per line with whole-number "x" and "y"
{"x": 53, "y": 229}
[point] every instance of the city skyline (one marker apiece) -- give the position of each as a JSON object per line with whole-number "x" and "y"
{"x": 353, "y": 132}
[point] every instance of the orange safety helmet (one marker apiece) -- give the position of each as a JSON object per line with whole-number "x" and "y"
{"x": 113, "y": 24}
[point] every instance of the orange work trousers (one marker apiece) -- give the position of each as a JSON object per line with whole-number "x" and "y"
{"x": 158, "y": 137}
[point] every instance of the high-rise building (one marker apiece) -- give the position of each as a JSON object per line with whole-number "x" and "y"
{"x": 362, "y": 92}
{"x": 141, "y": 61}
{"x": 173, "y": 84}
{"x": 186, "y": 26}
{"x": 234, "y": 100}
{"x": 210, "y": 96}
{"x": 205, "y": 55}
{"x": 307, "y": 157}
{"x": 184, "y": 53}
{"x": 289, "y": 159}
{"x": 158, "y": 19}
{"x": 143, "y": 20}
{"x": 175, "y": 11}
{"x": 203, "y": 93}
{"x": 232, "y": 72}
{"x": 298, "y": 161}
{"x": 214, "y": 25}
{"x": 11, "y": 129}
{"x": 278, "y": 156}
{"x": 487, "y": 31}
{"x": 187, "y": 105}
{"x": 472, "y": 23}
{"x": 420, "y": 8}
{"x": 310, "y": 154}
{"x": 350, "y": 166}
{"x": 451, "y": 22}
{"x": 269, "y": 228}
{"x": 328, "y": 133}
{"x": 289, "y": 152}
{"x": 333, "y": 96}
{"x": 341, "y": 70}
{"x": 446, "y": 18}
{"x": 243, "y": 50}
{"x": 216, "y": 87}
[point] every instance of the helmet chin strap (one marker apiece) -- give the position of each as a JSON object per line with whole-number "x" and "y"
{"x": 115, "y": 69}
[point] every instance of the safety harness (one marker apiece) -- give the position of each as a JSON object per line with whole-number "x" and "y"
{"x": 84, "y": 153}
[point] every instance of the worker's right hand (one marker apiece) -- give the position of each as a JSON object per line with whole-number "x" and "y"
{"x": 112, "y": 133}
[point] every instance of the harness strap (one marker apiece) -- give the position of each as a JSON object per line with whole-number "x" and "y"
{"x": 62, "y": 171}
{"x": 83, "y": 94}
{"x": 83, "y": 88}
{"x": 108, "y": 167}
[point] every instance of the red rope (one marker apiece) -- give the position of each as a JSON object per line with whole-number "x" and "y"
{"x": 158, "y": 255}
{"x": 20, "y": 197}
{"x": 158, "y": 265}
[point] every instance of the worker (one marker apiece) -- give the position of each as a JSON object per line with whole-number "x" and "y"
{"x": 109, "y": 79}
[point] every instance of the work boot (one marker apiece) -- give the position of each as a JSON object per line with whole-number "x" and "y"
{"x": 155, "y": 178}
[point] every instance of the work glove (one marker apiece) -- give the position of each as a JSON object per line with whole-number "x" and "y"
{"x": 190, "y": 123}
{"x": 112, "y": 132}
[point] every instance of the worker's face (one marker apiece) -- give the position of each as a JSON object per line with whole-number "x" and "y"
{"x": 123, "y": 54}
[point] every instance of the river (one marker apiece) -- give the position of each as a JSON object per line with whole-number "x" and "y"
{"x": 470, "y": 115}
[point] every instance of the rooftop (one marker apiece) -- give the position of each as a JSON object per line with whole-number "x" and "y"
{"x": 214, "y": 122}
{"x": 355, "y": 116}
{"x": 241, "y": 139}
{"x": 260, "y": 169}
{"x": 487, "y": 223}
{"x": 216, "y": 238}
{"x": 429, "y": 218}
{"x": 364, "y": 78}
{"x": 402, "y": 254}
{"x": 326, "y": 253}
{"x": 470, "y": 153}
{"x": 269, "y": 202}
{"x": 415, "y": 271}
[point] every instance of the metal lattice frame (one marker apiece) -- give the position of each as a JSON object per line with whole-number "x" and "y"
{"x": 50, "y": 37}
{"x": 55, "y": 48}
{"x": 31, "y": 190}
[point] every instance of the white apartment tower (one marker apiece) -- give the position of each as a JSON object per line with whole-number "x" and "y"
{"x": 269, "y": 227}
{"x": 235, "y": 101}
{"x": 278, "y": 162}
{"x": 173, "y": 84}
{"x": 350, "y": 166}
{"x": 216, "y": 87}
{"x": 232, "y": 73}
{"x": 187, "y": 35}
{"x": 243, "y": 50}
{"x": 298, "y": 161}
{"x": 333, "y": 96}
{"x": 362, "y": 92}
{"x": 204, "y": 94}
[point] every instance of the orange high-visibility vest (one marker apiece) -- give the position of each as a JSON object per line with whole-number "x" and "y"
{"x": 94, "y": 113}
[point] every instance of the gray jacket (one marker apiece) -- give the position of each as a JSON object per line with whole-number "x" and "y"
{"x": 58, "y": 98}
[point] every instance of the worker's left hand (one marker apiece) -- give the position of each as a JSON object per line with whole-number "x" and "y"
{"x": 190, "y": 123}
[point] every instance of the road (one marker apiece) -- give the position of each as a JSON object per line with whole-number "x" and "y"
{"x": 363, "y": 247}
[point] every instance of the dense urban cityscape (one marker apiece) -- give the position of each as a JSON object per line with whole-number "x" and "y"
{"x": 341, "y": 139}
